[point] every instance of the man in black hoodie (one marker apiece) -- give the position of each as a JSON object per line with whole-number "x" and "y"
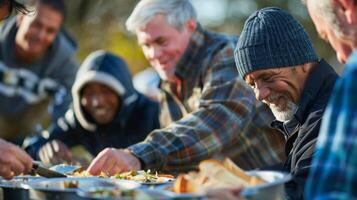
{"x": 107, "y": 112}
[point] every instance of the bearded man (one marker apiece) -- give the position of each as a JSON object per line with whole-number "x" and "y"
{"x": 275, "y": 57}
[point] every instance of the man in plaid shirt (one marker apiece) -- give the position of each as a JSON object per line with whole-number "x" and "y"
{"x": 334, "y": 172}
{"x": 206, "y": 111}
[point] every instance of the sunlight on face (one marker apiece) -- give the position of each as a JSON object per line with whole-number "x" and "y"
{"x": 38, "y": 31}
{"x": 280, "y": 89}
{"x": 163, "y": 45}
{"x": 101, "y": 102}
{"x": 342, "y": 44}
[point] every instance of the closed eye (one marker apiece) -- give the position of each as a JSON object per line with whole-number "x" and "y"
{"x": 161, "y": 41}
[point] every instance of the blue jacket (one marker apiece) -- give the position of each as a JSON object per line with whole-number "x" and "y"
{"x": 136, "y": 117}
{"x": 301, "y": 132}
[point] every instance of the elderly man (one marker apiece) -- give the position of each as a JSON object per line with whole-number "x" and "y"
{"x": 205, "y": 110}
{"x": 13, "y": 160}
{"x": 37, "y": 66}
{"x": 334, "y": 174}
{"x": 276, "y": 58}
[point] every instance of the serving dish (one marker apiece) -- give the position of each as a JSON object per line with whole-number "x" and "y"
{"x": 65, "y": 188}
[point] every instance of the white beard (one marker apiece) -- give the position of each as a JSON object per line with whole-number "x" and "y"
{"x": 282, "y": 115}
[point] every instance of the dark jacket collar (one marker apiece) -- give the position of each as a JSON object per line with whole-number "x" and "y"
{"x": 315, "y": 96}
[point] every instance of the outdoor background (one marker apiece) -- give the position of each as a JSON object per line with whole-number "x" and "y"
{"x": 99, "y": 24}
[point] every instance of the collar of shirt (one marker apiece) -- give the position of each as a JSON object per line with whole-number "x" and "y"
{"x": 185, "y": 67}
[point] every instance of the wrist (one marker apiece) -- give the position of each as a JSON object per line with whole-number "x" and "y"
{"x": 135, "y": 161}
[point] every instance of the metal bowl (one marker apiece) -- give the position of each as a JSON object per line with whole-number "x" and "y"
{"x": 125, "y": 189}
{"x": 142, "y": 194}
{"x": 62, "y": 188}
{"x": 273, "y": 188}
{"x": 14, "y": 188}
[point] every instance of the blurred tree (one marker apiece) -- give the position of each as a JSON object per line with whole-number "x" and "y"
{"x": 100, "y": 25}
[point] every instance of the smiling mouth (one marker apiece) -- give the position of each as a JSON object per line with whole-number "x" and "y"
{"x": 101, "y": 111}
{"x": 277, "y": 101}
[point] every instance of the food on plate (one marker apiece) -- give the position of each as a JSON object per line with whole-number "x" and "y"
{"x": 70, "y": 184}
{"x": 214, "y": 174}
{"x": 105, "y": 192}
{"x": 138, "y": 176}
{"x": 144, "y": 176}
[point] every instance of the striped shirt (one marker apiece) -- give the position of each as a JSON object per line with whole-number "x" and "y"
{"x": 211, "y": 114}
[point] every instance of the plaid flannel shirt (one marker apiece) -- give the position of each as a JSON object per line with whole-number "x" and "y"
{"x": 334, "y": 172}
{"x": 215, "y": 115}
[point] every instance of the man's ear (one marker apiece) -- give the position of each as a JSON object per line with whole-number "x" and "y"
{"x": 191, "y": 25}
{"x": 347, "y": 8}
{"x": 306, "y": 68}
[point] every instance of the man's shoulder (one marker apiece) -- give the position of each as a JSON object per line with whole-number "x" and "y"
{"x": 65, "y": 43}
{"x": 6, "y": 26}
{"x": 62, "y": 51}
{"x": 217, "y": 56}
{"x": 219, "y": 48}
{"x": 220, "y": 41}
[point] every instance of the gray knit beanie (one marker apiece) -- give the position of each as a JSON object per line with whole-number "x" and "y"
{"x": 272, "y": 38}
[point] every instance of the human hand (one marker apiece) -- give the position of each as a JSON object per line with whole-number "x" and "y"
{"x": 55, "y": 152}
{"x": 112, "y": 161}
{"x": 13, "y": 160}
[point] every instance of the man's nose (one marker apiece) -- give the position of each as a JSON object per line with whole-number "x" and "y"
{"x": 97, "y": 100}
{"x": 41, "y": 34}
{"x": 156, "y": 53}
{"x": 261, "y": 93}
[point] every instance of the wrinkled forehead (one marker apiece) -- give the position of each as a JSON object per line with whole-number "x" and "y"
{"x": 255, "y": 75}
{"x": 46, "y": 13}
{"x": 156, "y": 27}
{"x": 96, "y": 85}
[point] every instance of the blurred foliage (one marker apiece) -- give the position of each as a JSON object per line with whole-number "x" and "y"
{"x": 99, "y": 24}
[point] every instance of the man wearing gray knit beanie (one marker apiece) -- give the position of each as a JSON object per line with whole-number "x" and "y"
{"x": 275, "y": 57}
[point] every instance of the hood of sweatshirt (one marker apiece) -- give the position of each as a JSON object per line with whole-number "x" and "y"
{"x": 110, "y": 70}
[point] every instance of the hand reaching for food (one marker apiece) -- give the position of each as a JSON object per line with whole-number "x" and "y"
{"x": 112, "y": 161}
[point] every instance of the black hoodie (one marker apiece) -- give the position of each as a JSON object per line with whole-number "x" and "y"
{"x": 136, "y": 117}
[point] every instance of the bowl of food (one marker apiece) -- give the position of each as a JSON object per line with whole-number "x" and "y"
{"x": 214, "y": 175}
{"x": 14, "y": 188}
{"x": 62, "y": 188}
{"x": 272, "y": 188}
{"x": 145, "y": 177}
{"x": 116, "y": 193}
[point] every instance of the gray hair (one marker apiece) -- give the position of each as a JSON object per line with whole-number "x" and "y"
{"x": 326, "y": 9}
{"x": 177, "y": 13}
